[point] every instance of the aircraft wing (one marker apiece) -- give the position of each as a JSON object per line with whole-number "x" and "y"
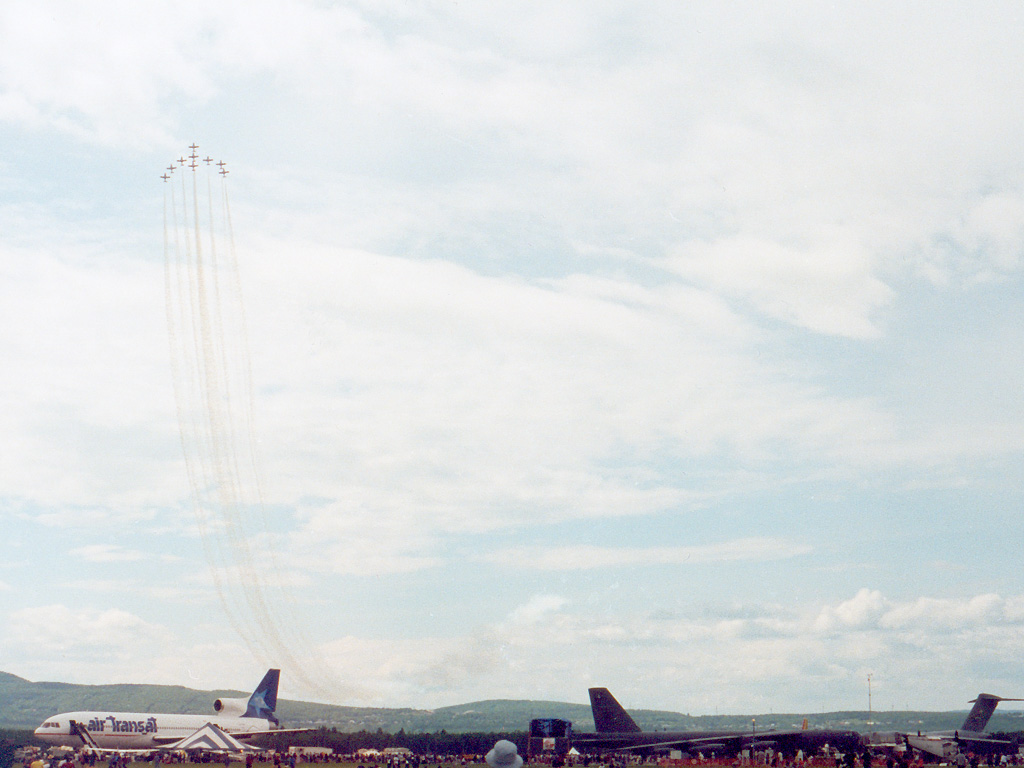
{"x": 936, "y": 744}
{"x": 980, "y": 740}
{"x": 686, "y": 744}
{"x": 250, "y": 734}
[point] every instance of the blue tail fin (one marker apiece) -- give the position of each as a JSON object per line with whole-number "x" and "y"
{"x": 263, "y": 701}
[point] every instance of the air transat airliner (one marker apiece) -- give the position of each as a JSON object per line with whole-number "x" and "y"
{"x": 101, "y": 730}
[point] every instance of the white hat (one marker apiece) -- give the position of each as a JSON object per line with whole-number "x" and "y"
{"x": 504, "y": 755}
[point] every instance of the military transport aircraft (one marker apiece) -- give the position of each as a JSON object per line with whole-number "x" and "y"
{"x": 970, "y": 736}
{"x": 617, "y": 731}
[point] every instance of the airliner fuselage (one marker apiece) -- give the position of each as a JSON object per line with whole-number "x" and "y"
{"x": 148, "y": 730}
{"x": 139, "y": 730}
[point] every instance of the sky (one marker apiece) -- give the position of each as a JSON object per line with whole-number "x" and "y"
{"x": 669, "y": 347}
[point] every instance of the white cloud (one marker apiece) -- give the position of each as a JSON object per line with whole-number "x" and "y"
{"x": 520, "y": 389}
{"x": 948, "y": 614}
{"x": 514, "y": 266}
{"x": 107, "y": 553}
{"x": 864, "y": 610}
{"x": 828, "y": 289}
{"x": 82, "y": 633}
{"x": 87, "y": 365}
{"x": 536, "y": 609}
{"x": 99, "y": 81}
{"x": 581, "y": 557}
{"x": 739, "y": 665}
{"x": 90, "y": 517}
{"x": 186, "y": 592}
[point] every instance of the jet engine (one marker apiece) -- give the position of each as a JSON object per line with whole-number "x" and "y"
{"x": 231, "y": 707}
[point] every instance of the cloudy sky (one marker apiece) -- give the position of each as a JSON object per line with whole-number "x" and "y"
{"x": 670, "y": 347}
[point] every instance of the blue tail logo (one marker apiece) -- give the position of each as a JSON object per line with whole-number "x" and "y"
{"x": 263, "y": 701}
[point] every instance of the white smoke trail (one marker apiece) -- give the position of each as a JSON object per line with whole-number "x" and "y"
{"x": 212, "y": 372}
{"x": 182, "y": 300}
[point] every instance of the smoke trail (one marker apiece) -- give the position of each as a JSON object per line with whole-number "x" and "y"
{"x": 181, "y": 299}
{"x": 212, "y": 372}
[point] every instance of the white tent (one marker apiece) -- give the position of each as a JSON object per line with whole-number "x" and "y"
{"x": 212, "y": 738}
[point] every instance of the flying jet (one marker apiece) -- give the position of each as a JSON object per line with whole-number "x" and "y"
{"x": 123, "y": 731}
{"x": 165, "y": 177}
{"x": 617, "y": 731}
{"x": 970, "y": 736}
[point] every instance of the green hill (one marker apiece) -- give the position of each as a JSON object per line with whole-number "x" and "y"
{"x": 24, "y": 704}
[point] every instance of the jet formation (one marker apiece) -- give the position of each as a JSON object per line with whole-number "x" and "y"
{"x": 192, "y": 161}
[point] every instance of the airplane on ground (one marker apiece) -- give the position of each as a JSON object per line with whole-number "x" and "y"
{"x": 209, "y": 738}
{"x": 146, "y": 731}
{"x": 617, "y": 731}
{"x": 970, "y": 736}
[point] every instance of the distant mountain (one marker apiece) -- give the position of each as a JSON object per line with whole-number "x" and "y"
{"x": 25, "y": 704}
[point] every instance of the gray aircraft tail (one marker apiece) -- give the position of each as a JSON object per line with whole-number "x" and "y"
{"x": 982, "y": 710}
{"x": 609, "y": 716}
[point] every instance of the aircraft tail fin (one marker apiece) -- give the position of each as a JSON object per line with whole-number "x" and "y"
{"x": 609, "y": 716}
{"x": 263, "y": 701}
{"x": 982, "y": 710}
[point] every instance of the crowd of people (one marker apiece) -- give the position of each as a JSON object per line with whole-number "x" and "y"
{"x": 775, "y": 759}
{"x": 292, "y": 759}
{"x": 406, "y": 759}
